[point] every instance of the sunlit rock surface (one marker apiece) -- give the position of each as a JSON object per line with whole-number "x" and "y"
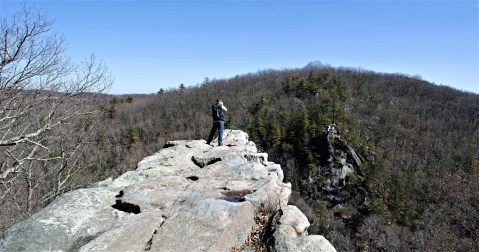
{"x": 189, "y": 196}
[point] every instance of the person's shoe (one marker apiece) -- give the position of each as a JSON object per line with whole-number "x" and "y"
{"x": 220, "y": 144}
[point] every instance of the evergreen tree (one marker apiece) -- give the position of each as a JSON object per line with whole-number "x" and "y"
{"x": 274, "y": 129}
{"x": 230, "y": 122}
{"x": 182, "y": 87}
{"x": 397, "y": 195}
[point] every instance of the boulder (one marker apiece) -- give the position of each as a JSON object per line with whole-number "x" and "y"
{"x": 290, "y": 233}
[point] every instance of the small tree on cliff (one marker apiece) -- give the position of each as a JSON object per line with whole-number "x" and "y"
{"x": 48, "y": 110}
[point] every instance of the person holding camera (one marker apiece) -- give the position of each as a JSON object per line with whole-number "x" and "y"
{"x": 217, "y": 112}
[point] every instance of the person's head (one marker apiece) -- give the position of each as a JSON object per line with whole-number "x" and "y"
{"x": 219, "y": 101}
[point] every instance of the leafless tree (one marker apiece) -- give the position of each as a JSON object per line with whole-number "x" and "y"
{"x": 47, "y": 112}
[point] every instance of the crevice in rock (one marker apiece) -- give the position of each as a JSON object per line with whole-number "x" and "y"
{"x": 120, "y": 194}
{"x": 261, "y": 237}
{"x": 149, "y": 243}
{"x": 202, "y": 162}
{"x": 235, "y": 195}
{"x": 126, "y": 207}
{"x": 255, "y": 157}
{"x": 81, "y": 241}
{"x": 270, "y": 227}
{"x": 193, "y": 178}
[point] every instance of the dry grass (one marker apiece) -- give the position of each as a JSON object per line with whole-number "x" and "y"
{"x": 255, "y": 240}
{"x": 264, "y": 214}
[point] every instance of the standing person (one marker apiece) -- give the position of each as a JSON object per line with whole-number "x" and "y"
{"x": 218, "y": 121}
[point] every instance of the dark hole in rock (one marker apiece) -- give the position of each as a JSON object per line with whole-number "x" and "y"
{"x": 126, "y": 207}
{"x": 202, "y": 162}
{"x": 194, "y": 178}
{"x": 168, "y": 145}
{"x": 224, "y": 188}
{"x": 120, "y": 194}
{"x": 235, "y": 195}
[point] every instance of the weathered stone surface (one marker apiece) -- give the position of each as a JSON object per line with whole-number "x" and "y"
{"x": 132, "y": 234}
{"x": 189, "y": 196}
{"x": 209, "y": 225}
{"x": 290, "y": 233}
{"x": 81, "y": 214}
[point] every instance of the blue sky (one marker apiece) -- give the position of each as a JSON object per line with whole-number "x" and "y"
{"x": 155, "y": 44}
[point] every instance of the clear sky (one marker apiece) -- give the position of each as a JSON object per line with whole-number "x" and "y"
{"x": 155, "y": 44}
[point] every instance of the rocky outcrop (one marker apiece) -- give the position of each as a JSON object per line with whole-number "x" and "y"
{"x": 338, "y": 161}
{"x": 189, "y": 196}
{"x": 342, "y": 180}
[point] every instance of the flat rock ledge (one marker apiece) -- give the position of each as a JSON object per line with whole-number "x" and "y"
{"x": 189, "y": 196}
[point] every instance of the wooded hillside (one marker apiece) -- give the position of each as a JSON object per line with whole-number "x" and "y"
{"x": 419, "y": 142}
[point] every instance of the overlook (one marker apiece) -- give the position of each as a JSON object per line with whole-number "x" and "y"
{"x": 189, "y": 196}
{"x": 379, "y": 150}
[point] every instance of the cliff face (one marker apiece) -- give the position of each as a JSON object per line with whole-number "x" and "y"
{"x": 189, "y": 196}
{"x": 338, "y": 164}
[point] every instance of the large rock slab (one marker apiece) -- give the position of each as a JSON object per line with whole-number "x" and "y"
{"x": 70, "y": 221}
{"x": 133, "y": 234}
{"x": 189, "y": 196}
{"x": 209, "y": 225}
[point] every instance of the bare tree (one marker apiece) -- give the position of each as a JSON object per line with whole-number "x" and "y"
{"x": 47, "y": 112}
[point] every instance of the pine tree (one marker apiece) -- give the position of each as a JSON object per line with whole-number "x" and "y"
{"x": 274, "y": 138}
{"x": 182, "y": 87}
{"x": 230, "y": 123}
{"x": 397, "y": 194}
